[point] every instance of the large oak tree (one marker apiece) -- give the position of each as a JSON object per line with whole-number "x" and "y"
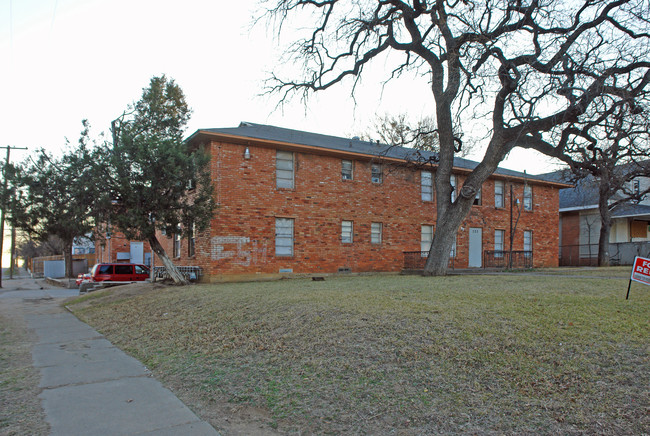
{"x": 535, "y": 69}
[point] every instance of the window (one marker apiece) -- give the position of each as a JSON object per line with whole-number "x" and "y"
{"x": 141, "y": 270}
{"x": 427, "y": 185}
{"x": 284, "y": 169}
{"x": 284, "y": 237}
{"x": 425, "y": 239}
{"x": 346, "y": 170}
{"x": 528, "y": 197}
{"x": 177, "y": 242}
{"x": 375, "y": 233}
{"x": 498, "y": 194}
{"x": 528, "y": 240}
{"x": 346, "y": 232}
{"x": 499, "y": 236}
{"x": 477, "y": 199}
{"x": 191, "y": 247}
{"x": 123, "y": 269}
{"x": 375, "y": 173}
{"x": 454, "y": 183}
{"x": 453, "y": 249}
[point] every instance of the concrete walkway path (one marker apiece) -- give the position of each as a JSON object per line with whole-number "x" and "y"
{"x": 90, "y": 387}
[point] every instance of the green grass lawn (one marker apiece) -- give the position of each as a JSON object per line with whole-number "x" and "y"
{"x": 473, "y": 354}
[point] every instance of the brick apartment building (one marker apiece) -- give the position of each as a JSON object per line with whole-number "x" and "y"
{"x": 289, "y": 201}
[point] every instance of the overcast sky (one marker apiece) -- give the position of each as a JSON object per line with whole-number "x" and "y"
{"x": 66, "y": 60}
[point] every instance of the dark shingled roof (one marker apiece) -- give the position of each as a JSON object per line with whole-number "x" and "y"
{"x": 272, "y": 133}
{"x": 585, "y": 195}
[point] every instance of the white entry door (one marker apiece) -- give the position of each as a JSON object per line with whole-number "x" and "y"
{"x": 137, "y": 252}
{"x": 475, "y": 247}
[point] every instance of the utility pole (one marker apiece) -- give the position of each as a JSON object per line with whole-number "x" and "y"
{"x": 4, "y": 204}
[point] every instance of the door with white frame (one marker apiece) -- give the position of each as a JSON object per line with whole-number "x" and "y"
{"x": 137, "y": 252}
{"x": 475, "y": 247}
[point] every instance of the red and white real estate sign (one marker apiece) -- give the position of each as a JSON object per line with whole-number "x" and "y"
{"x": 641, "y": 270}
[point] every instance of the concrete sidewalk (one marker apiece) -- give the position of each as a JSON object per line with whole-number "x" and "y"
{"x": 89, "y": 387}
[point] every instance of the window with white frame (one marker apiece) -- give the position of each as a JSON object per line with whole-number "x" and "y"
{"x": 426, "y": 182}
{"x": 376, "y": 173}
{"x": 375, "y": 233}
{"x": 453, "y": 249}
{"x": 191, "y": 241}
{"x": 528, "y": 242}
{"x": 528, "y": 197}
{"x": 499, "y": 236}
{"x": 346, "y": 170}
{"x": 346, "y": 232}
{"x": 177, "y": 242}
{"x": 426, "y": 237}
{"x": 454, "y": 183}
{"x": 477, "y": 199}
{"x": 498, "y": 194}
{"x": 284, "y": 169}
{"x": 284, "y": 236}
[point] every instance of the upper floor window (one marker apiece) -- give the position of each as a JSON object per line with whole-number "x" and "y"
{"x": 498, "y": 193}
{"x": 375, "y": 233}
{"x": 284, "y": 172}
{"x": 376, "y": 173}
{"x": 477, "y": 199}
{"x": 346, "y": 170}
{"x": 528, "y": 197}
{"x": 284, "y": 237}
{"x": 426, "y": 181}
{"x": 454, "y": 183}
{"x": 346, "y": 232}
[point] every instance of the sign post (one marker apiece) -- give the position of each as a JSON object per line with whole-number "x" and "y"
{"x": 640, "y": 273}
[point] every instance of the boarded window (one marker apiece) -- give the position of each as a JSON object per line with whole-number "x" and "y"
{"x": 639, "y": 229}
{"x": 284, "y": 169}
{"x": 284, "y": 237}
{"x": 427, "y": 185}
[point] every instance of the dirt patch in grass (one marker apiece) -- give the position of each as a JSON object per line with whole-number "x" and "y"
{"x": 20, "y": 408}
{"x": 395, "y": 354}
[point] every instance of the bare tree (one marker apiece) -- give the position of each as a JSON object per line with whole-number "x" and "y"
{"x": 398, "y": 130}
{"x": 611, "y": 151}
{"x": 531, "y": 69}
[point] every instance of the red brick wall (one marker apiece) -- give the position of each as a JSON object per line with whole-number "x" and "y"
{"x": 241, "y": 239}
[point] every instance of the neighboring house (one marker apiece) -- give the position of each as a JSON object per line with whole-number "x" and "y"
{"x": 580, "y": 223}
{"x": 112, "y": 246}
{"x": 83, "y": 245}
{"x": 289, "y": 201}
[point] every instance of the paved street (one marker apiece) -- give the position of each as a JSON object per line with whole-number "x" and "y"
{"x": 88, "y": 386}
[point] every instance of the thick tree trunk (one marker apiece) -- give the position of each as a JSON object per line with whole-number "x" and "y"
{"x": 173, "y": 272}
{"x": 67, "y": 256}
{"x": 605, "y": 227}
